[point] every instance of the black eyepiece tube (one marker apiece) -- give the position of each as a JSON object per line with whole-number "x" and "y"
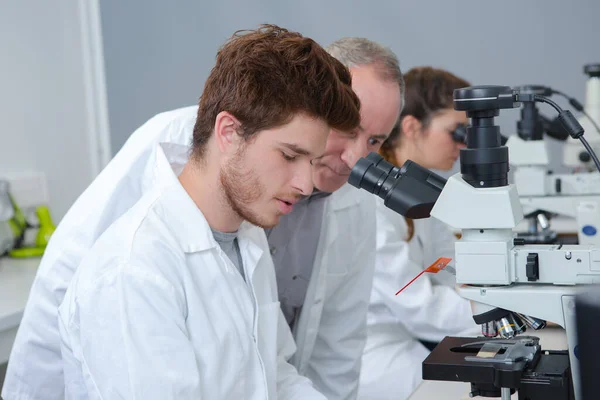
{"x": 366, "y": 175}
{"x": 484, "y": 162}
{"x": 410, "y": 191}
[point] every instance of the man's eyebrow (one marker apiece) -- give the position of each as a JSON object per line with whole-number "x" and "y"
{"x": 382, "y": 136}
{"x": 354, "y": 132}
{"x": 296, "y": 149}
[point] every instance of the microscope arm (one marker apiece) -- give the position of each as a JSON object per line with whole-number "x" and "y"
{"x": 543, "y": 302}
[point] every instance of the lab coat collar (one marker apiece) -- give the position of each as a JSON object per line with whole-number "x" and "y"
{"x": 185, "y": 219}
{"x": 346, "y": 196}
{"x": 189, "y": 225}
{"x": 250, "y": 247}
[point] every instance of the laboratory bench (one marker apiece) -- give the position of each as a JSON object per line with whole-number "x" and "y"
{"x": 16, "y": 277}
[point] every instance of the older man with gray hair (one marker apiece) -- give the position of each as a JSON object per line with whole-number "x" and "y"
{"x": 324, "y": 250}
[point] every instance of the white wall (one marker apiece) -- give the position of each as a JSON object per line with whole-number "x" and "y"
{"x": 158, "y": 55}
{"x": 47, "y": 123}
{"x": 52, "y": 105}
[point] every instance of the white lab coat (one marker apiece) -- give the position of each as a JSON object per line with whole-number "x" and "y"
{"x": 429, "y": 309}
{"x": 35, "y": 369}
{"x": 157, "y": 310}
{"x": 330, "y": 334}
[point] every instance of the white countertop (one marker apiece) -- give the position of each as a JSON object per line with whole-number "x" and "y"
{"x": 16, "y": 277}
{"x": 551, "y": 338}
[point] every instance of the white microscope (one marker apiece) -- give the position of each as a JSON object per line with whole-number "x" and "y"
{"x": 544, "y": 194}
{"x": 512, "y": 285}
{"x": 573, "y": 155}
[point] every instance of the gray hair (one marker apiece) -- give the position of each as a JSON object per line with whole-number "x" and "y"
{"x": 354, "y": 52}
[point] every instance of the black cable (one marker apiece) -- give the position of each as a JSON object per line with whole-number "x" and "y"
{"x": 571, "y": 125}
{"x": 577, "y": 105}
{"x": 546, "y": 100}
{"x": 590, "y": 151}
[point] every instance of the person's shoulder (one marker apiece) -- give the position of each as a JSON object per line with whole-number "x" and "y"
{"x": 169, "y": 126}
{"x": 176, "y": 115}
{"x": 139, "y": 237}
{"x": 350, "y": 197}
{"x": 389, "y": 220}
{"x": 353, "y": 212}
{"x": 152, "y": 239}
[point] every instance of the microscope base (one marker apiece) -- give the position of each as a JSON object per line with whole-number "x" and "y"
{"x": 547, "y": 375}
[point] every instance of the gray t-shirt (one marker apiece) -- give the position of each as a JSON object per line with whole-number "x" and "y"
{"x": 293, "y": 244}
{"x": 229, "y": 245}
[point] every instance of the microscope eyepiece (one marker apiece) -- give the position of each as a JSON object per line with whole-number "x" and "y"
{"x": 366, "y": 175}
{"x": 592, "y": 70}
{"x": 459, "y": 135}
{"x": 410, "y": 191}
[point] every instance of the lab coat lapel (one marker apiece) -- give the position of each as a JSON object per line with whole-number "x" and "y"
{"x": 307, "y": 328}
{"x": 260, "y": 279}
{"x": 250, "y": 249}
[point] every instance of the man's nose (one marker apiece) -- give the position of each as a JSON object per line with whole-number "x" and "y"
{"x": 353, "y": 151}
{"x": 303, "y": 181}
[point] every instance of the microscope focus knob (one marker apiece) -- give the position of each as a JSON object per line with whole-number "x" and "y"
{"x": 584, "y": 156}
{"x": 592, "y": 70}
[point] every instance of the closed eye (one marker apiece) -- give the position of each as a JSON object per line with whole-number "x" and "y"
{"x": 288, "y": 157}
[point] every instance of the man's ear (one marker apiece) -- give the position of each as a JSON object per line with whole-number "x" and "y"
{"x": 226, "y": 132}
{"x": 411, "y": 127}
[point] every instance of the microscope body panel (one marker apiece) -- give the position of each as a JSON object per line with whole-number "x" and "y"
{"x": 499, "y": 262}
{"x": 483, "y": 262}
{"x": 539, "y": 301}
{"x": 531, "y": 181}
{"x": 557, "y": 264}
{"x": 588, "y": 221}
{"x": 587, "y": 183}
{"x": 460, "y": 206}
{"x": 527, "y": 152}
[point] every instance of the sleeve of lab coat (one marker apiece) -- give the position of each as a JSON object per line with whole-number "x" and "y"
{"x": 291, "y": 385}
{"x": 443, "y": 240}
{"x": 335, "y": 364}
{"x": 439, "y": 242}
{"x": 427, "y": 311}
{"x": 134, "y": 342}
